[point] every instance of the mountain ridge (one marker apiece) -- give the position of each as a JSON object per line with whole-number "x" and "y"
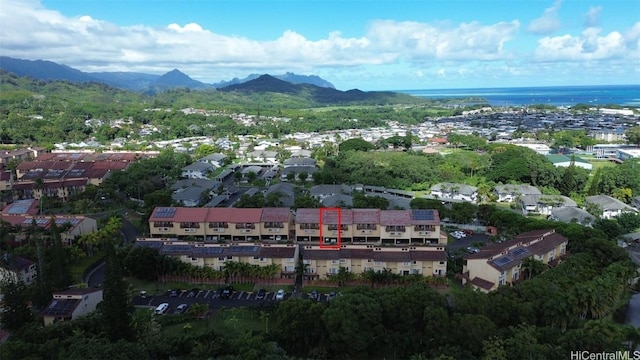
{"x": 134, "y": 81}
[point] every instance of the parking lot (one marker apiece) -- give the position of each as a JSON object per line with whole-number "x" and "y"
{"x": 216, "y": 299}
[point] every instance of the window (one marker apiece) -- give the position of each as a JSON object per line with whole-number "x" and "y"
{"x": 162, "y": 224}
{"x": 334, "y": 227}
{"x": 335, "y": 261}
{"x": 333, "y": 270}
{"x": 291, "y": 260}
{"x": 424, "y": 228}
{"x": 269, "y": 225}
{"x": 342, "y": 261}
{"x": 311, "y": 226}
{"x": 189, "y": 225}
{"x": 366, "y": 227}
{"x": 263, "y": 259}
{"x": 396, "y": 228}
{"x": 406, "y": 263}
{"x": 245, "y": 226}
{"x": 378, "y": 263}
{"x": 218, "y": 224}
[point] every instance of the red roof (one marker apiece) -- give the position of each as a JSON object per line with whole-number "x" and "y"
{"x": 395, "y": 217}
{"x": 276, "y": 215}
{"x": 308, "y": 216}
{"x": 184, "y": 214}
{"x": 366, "y": 216}
{"x": 330, "y": 216}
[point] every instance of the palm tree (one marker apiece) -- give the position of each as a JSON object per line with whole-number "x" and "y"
{"x": 532, "y": 267}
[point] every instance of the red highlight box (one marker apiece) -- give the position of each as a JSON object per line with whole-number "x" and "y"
{"x": 329, "y": 212}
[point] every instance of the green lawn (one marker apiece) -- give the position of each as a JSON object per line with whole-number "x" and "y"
{"x": 77, "y": 270}
{"x": 234, "y": 320}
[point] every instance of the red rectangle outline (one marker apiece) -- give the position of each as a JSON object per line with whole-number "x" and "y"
{"x": 339, "y": 244}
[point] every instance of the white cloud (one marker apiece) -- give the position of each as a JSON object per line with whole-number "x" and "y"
{"x": 590, "y": 45}
{"x": 548, "y": 22}
{"x": 592, "y": 17}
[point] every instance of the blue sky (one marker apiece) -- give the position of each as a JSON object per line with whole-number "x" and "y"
{"x": 369, "y": 45}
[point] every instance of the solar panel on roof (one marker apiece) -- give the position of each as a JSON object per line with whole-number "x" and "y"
{"x": 176, "y": 249}
{"x": 165, "y": 212}
{"x": 502, "y": 261}
{"x": 207, "y": 250}
{"x": 61, "y": 307}
{"x": 520, "y": 251}
{"x": 67, "y": 221}
{"x": 423, "y": 215}
{"x": 149, "y": 244}
{"x": 38, "y": 221}
{"x": 243, "y": 248}
{"x": 20, "y": 207}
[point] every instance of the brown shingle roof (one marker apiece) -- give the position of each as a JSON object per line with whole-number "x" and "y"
{"x": 395, "y": 217}
{"x": 277, "y": 252}
{"x": 366, "y": 216}
{"x": 482, "y": 283}
{"x": 308, "y": 216}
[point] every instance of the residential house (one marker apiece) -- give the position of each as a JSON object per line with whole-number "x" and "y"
{"x": 216, "y": 160}
{"x": 322, "y": 191}
{"x": 263, "y": 155}
{"x": 6, "y": 180}
{"x": 197, "y": 170}
{"x": 300, "y": 161}
{"x": 559, "y": 160}
{"x": 71, "y": 304}
{"x": 511, "y": 192}
{"x": 572, "y": 214}
{"x": 320, "y": 263}
{"x": 296, "y": 171}
{"x": 609, "y": 206}
{"x": 285, "y": 191}
{"x": 454, "y": 191}
{"x": 17, "y": 268}
{"x": 543, "y": 204}
{"x": 500, "y": 264}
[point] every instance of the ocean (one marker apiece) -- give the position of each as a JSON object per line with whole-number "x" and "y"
{"x": 623, "y": 95}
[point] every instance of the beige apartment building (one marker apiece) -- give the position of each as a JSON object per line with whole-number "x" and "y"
{"x": 321, "y": 262}
{"x": 368, "y": 226}
{"x": 222, "y": 224}
{"x": 501, "y": 263}
{"x": 215, "y": 256}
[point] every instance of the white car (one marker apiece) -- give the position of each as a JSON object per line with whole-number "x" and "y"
{"x": 280, "y": 295}
{"x": 161, "y": 309}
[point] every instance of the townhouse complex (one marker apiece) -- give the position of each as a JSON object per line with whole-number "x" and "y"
{"x": 504, "y": 263}
{"x": 403, "y": 241}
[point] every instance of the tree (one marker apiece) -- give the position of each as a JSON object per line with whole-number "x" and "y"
{"x": 633, "y": 135}
{"x": 15, "y": 311}
{"x": 115, "y": 303}
{"x": 532, "y": 266}
{"x": 355, "y": 144}
{"x": 303, "y": 176}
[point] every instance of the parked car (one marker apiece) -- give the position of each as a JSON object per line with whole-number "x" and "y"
{"x": 181, "y": 308}
{"x": 161, "y": 309}
{"x": 331, "y": 296}
{"x": 314, "y": 295}
{"x": 226, "y": 292}
{"x": 472, "y": 250}
{"x": 280, "y": 295}
{"x": 261, "y": 294}
{"x": 174, "y": 293}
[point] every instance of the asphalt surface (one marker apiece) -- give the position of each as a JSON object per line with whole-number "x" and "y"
{"x": 465, "y": 242}
{"x": 213, "y": 299}
{"x": 129, "y": 234}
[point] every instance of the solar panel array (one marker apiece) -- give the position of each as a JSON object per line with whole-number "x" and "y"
{"x": 20, "y": 206}
{"x": 502, "y": 261}
{"x": 176, "y": 249}
{"x": 165, "y": 212}
{"x": 425, "y": 215}
{"x": 39, "y": 222}
{"x": 520, "y": 251}
{"x": 150, "y": 244}
{"x": 61, "y": 307}
{"x": 207, "y": 250}
{"x": 243, "y": 249}
{"x": 68, "y": 221}
{"x": 75, "y": 172}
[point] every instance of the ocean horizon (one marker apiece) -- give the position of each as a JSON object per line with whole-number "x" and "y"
{"x": 622, "y": 95}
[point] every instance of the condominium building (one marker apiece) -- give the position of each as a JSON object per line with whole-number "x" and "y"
{"x": 217, "y": 255}
{"x": 368, "y": 226}
{"x": 502, "y": 263}
{"x": 321, "y": 262}
{"x": 222, "y": 224}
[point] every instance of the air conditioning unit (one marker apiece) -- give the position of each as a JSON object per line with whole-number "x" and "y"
{"x": 164, "y": 229}
{"x": 274, "y": 230}
{"x": 218, "y": 230}
{"x": 424, "y": 232}
{"x": 189, "y": 230}
{"x": 244, "y": 231}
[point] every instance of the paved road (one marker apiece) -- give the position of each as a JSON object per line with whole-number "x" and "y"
{"x": 129, "y": 235}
